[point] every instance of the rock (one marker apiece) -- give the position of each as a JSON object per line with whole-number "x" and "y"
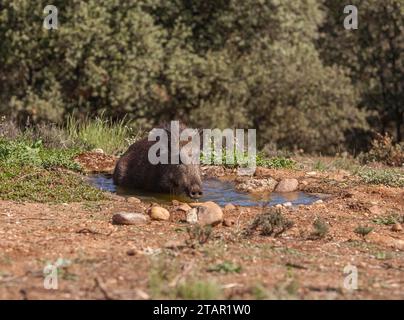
{"x": 98, "y": 150}
{"x": 397, "y": 227}
{"x": 228, "y": 222}
{"x": 159, "y": 213}
{"x": 287, "y": 204}
{"x": 183, "y": 207}
{"x": 256, "y": 185}
{"x": 287, "y": 185}
{"x": 129, "y": 218}
{"x": 263, "y": 172}
{"x": 318, "y": 201}
{"x": 131, "y": 252}
{"x": 229, "y": 207}
{"x": 133, "y": 200}
{"x": 376, "y": 210}
{"x": 207, "y": 213}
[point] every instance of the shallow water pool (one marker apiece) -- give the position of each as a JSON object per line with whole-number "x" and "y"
{"x": 219, "y": 191}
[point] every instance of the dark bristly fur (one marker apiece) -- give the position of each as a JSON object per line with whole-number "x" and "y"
{"x": 134, "y": 170}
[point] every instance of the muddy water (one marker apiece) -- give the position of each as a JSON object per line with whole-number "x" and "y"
{"x": 221, "y": 192}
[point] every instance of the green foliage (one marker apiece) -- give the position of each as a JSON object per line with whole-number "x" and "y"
{"x": 210, "y": 63}
{"x": 225, "y": 267}
{"x": 384, "y": 151}
{"x": 23, "y": 153}
{"x": 363, "y": 230}
{"x": 320, "y": 229}
{"x": 112, "y": 137}
{"x": 388, "y": 177}
{"x": 271, "y": 222}
{"x": 389, "y": 220}
{"x": 29, "y": 183}
{"x": 373, "y": 55}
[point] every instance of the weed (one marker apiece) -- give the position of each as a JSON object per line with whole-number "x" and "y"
{"x": 320, "y": 229}
{"x": 198, "y": 235}
{"x": 198, "y": 290}
{"x": 363, "y": 230}
{"x": 39, "y": 185}
{"x": 388, "y": 177}
{"x": 389, "y": 220}
{"x": 269, "y": 223}
{"x": 225, "y": 267}
{"x": 112, "y": 137}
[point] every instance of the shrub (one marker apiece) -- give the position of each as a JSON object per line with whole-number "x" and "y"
{"x": 271, "y": 222}
{"x": 383, "y": 150}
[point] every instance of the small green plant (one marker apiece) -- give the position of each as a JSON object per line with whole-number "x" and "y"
{"x": 388, "y": 177}
{"x": 319, "y": 166}
{"x": 259, "y": 292}
{"x": 198, "y": 290}
{"x": 225, "y": 267}
{"x": 363, "y": 230}
{"x": 271, "y": 222}
{"x": 320, "y": 229}
{"x": 29, "y": 183}
{"x": 389, "y": 220}
{"x": 112, "y": 137}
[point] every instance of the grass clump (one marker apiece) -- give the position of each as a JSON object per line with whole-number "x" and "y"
{"x": 389, "y": 220}
{"x": 271, "y": 222}
{"x": 112, "y": 137}
{"x": 363, "y": 230}
{"x": 240, "y": 159}
{"x": 320, "y": 229}
{"x": 165, "y": 282}
{"x": 387, "y": 177}
{"x": 23, "y": 153}
{"x": 225, "y": 267}
{"x": 36, "y": 184}
{"x": 29, "y": 171}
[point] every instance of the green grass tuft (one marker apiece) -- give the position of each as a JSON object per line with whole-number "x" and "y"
{"x": 112, "y": 137}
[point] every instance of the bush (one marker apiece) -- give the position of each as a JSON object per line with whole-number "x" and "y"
{"x": 384, "y": 151}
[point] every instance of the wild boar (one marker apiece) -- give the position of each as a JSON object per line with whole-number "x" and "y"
{"x": 135, "y": 170}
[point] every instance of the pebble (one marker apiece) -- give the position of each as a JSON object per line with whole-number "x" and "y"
{"x": 159, "y": 213}
{"x": 129, "y": 218}
{"x": 184, "y": 207}
{"x": 207, "y": 213}
{"x": 397, "y": 227}
{"x": 133, "y": 200}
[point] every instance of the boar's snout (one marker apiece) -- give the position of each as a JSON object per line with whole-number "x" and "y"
{"x": 195, "y": 192}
